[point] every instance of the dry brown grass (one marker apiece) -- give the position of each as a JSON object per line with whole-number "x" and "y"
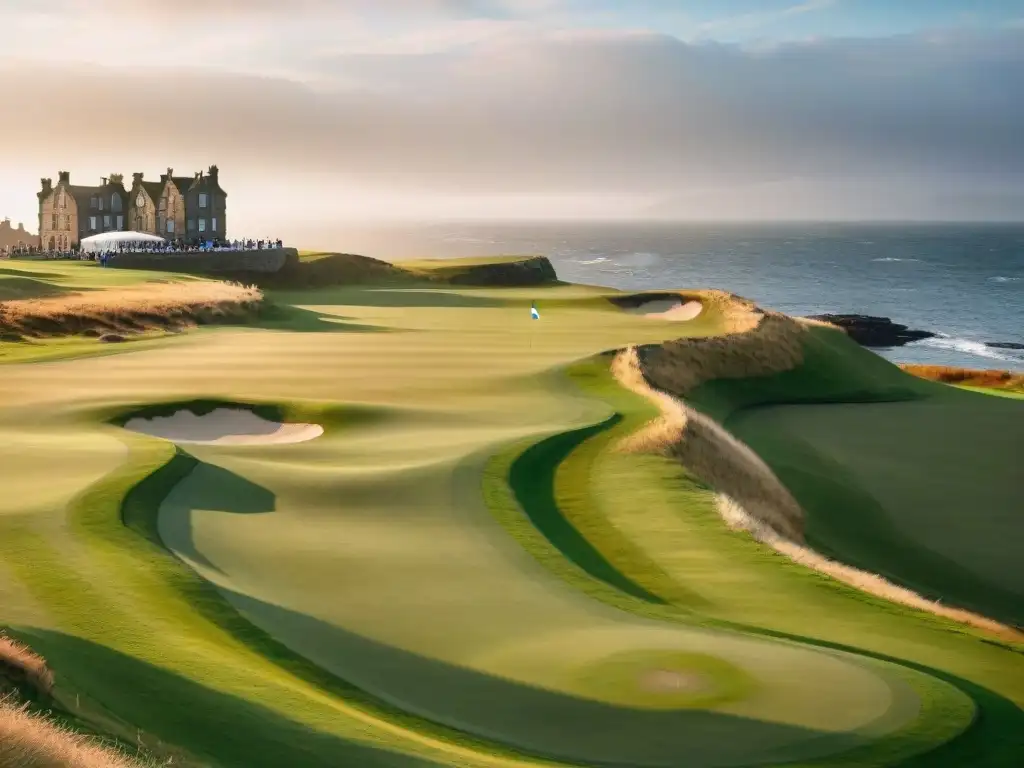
{"x": 30, "y": 741}
{"x": 990, "y": 379}
{"x": 20, "y": 666}
{"x": 773, "y": 344}
{"x": 129, "y": 309}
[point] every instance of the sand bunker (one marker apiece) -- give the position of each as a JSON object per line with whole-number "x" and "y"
{"x": 223, "y": 426}
{"x": 668, "y": 309}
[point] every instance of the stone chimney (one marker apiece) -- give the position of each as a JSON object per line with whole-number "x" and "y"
{"x": 46, "y": 184}
{"x": 170, "y": 172}
{"x": 137, "y": 178}
{"x": 103, "y": 181}
{"x": 213, "y": 171}
{"x": 117, "y": 179}
{"x": 64, "y": 177}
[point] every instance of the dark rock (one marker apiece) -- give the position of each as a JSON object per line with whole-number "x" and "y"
{"x": 533, "y": 271}
{"x": 1004, "y": 345}
{"x": 877, "y": 332}
{"x": 112, "y": 338}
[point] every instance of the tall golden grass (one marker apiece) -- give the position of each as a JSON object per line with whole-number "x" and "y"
{"x": 749, "y": 495}
{"x": 757, "y": 345}
{"x": 131, "y": 308}
{"x": 990, "y": 379}
{"x": 21, "y": 666}
{"x": 30, "y": 741}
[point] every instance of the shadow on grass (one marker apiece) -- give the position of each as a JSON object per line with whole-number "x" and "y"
{"x": 532, "y": 479}
{"x": 229, "y": 731}
{"x": 206, "y": 486}
{"x": 284, "y": 317}
{"x": 537, "y": 721}
{"x": 420, "y": 296}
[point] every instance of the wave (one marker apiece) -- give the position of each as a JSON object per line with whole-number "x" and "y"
{"x": 1004, "y": 279}
{"x": 598, "y": 260}
{"x": 976, "y": 348}
{"x": 893, "y": 258}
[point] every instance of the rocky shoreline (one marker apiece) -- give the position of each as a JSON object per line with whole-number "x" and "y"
{"x": 882, "y": 333}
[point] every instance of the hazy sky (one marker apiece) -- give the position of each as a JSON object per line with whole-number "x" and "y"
{"x": 346, "y": 109}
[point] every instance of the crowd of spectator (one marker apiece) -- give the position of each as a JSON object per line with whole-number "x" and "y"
{"x": 143, "y": 246}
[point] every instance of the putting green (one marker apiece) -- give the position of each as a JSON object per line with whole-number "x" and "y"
{"x": 383, "y": 553}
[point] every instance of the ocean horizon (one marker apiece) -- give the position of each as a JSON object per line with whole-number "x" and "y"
{"x": 962, "y": 281}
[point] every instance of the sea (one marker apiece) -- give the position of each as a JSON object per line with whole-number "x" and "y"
{"x": 964, "y": 282}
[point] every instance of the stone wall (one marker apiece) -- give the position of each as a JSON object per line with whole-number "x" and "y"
{"x": 226, "y": 263}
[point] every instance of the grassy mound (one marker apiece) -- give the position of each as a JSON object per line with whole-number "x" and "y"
{"x": 508, "y": 271}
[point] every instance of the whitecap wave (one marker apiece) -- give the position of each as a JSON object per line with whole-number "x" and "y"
{"x": 598, "y": 260}
{"x": 893, "y": 258}
{"x": 976, "y": 348}
{"x": 1004, "y": 279}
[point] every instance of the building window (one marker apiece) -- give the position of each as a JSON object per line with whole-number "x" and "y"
{"x": 106, "y": 222}
{"x": 202, "y": 200}
{"x": 120, "y": 222}
{"x": 100, "y": 201}
{"x": 202, "y": 225}
{"x": 213, "y": 224}
{"x": 53, "y": 223}
{"x": 92, "y": 223}
{"x": 115, "y": 202}
{"x": 92, "y": 201}
{"x": 170, "y": 226}
{"x": 191, "y": 224}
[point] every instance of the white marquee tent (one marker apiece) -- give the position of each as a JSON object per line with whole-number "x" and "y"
{"x": 111, "y": 241}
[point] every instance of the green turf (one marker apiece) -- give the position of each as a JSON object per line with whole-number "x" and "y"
{"x": 460, "y": 571}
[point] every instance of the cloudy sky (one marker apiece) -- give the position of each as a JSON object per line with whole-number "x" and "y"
{"x": 347, "y": 110}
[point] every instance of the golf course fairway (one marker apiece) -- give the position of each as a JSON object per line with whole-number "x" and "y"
{"x": 393, "y": 524}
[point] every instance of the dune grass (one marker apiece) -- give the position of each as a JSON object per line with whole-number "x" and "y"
{"x": 380, "y": 596}
{"x": 1004, "y": 381}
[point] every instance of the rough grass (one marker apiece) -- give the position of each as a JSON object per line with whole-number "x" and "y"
{"x": 133, "y": 308}
{"x": 31, "y": 741}
{"x": 968, "y": 377}
{"x": 20, "y": 666}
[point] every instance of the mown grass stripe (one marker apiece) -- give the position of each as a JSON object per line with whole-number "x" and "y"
{"x": 532, "y": 479}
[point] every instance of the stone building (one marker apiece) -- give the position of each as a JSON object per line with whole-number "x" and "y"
{"x": 175, "y": 207}
{"x": 179, "y": 207}
{"x": 15, "y": 238}
{"x": 68, "y": 212}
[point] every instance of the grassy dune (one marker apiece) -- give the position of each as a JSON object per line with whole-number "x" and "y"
{"x": 57, "y": 311}
{"x": 464, "y": 570}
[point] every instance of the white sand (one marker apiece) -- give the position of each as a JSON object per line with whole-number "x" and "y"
{"x": 668, "y": 309}
{"x": 224, "y": 426}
